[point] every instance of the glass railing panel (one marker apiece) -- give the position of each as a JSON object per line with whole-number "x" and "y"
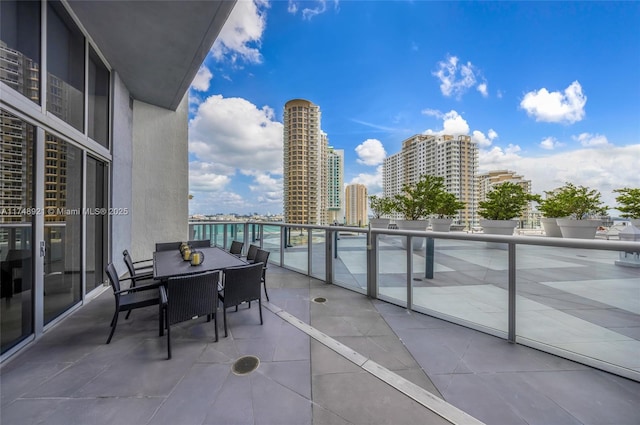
{"x": 271, "y": 241}
{"x": 464, "y": 280}
{"x": 581, "y": 301}
{"x": 319, "y": 254}
{"x": 392, "y": 268}
{"x": 296, "y": 254}
{"x": 350, "y": 263}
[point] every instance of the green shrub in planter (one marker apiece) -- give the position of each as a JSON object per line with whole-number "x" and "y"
{"x": 628, "y": 202}
{"x": 505, "y": 201}
{"x": 380, "y": 206}
{"x": 418, "y": 201}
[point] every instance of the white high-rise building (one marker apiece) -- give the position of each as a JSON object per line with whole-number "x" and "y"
{"x": 335, "y": 202}
{"x": 454, "y": 158}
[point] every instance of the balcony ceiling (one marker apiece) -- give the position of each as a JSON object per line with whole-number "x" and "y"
{"x": 156, "y": 47}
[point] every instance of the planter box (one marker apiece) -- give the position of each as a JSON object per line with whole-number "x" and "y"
{"x": 421, "y": 225}
{"x": 498, "y": 227}
{"x": 551, "y": 228}
{"x": 441, "y": 224}
{"x": 578, "y": 229}
{"x": 379, "y": 223}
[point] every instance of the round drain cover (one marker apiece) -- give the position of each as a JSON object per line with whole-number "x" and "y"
{"x": 320, "y": 300}
{"x": 245, "y": 365}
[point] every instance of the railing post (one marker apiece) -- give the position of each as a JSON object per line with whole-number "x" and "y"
{"x": 372, "y": 264}
{"x": 283, "y": 243}
{"x": 328, "y": 237}
{"x": 309, "y": 250}
{"x": 429, "y": 258}
{"x": 512, "y": 293}
{"x": 409, "y": 272}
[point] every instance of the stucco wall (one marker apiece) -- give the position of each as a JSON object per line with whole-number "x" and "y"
{"x": 121, "y": 173}
{"x": 160, "y": 177}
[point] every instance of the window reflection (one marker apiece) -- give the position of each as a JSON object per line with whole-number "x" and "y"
{"x": 65, "y": 65}
{"x": 16, "y": 222}
{"x": 20, "y": 47}
{"x": 62, "y": 232}
{"x": 98, "y": 99}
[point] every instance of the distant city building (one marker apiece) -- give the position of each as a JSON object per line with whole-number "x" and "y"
{"x": 356, "y": 205}
{"x": 313, "y": 171}
{"x": 486, "y": 181}
{"x": 454, "y": 158}
{"x": 335, "y": 204}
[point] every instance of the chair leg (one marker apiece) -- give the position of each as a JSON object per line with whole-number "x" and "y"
{"x": 224, "y": 317}
{"x": 128, "y": 314}
{"x": 114, "y": 322}
{"x": 264, "y": 283}
{"x": 260, "y": 309}
{"x": 168, "y": 342}
{"x": 215, "y": 323}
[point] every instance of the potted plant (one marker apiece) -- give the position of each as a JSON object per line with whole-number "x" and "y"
{"x": 446, "y": 206}
{"x": 552, "y": 208}
{"x": 581, "y": 203}
{"x": 379, "y": 206}
{"x": 505, "y": 202}
{"x": 416, "y": 203}
{"x": 629, "y": 204}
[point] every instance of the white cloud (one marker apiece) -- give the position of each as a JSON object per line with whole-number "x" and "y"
{"x": 370, "y": 152}
{"x": 231, "y": 134}
{"x": 606, "y": 169}
{"x": 373, "y": 182}
{"x": 592, "y": 140}
{"x": 550, "y": 143}
{"x": 309, "y": 12}
{"x": 483, "y": 89}
{"x": 241, "y": 36}
{"x": 204, "y": 177}
{"x": 202, "y": 79}
{"x": 452, "y": 123}
{"x": 433, "y": 113}
{"x": 456, "y": 79}
{"x": 566, "y": 107}
{"x": 235, "y": 133}
{"x": 482, "y": 140}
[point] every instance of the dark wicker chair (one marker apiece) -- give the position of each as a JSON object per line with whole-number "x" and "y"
{"x": 236, "y": 248}
{"x": 170, "y": 246}
{"x": 240, "y": 285}
{"x": 132, "y": 298}
{"x": 185, "y": 298}
{"x": 251, "y": 253}
{"x": 262, "y": 256}
{"x": 138, "y": 270}
{"x": 205, "y": 243}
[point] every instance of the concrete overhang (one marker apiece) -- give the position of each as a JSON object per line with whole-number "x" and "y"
{"x": 156, "y": 46}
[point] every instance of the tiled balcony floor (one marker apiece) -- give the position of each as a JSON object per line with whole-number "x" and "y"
{"x": 72, "y": 376}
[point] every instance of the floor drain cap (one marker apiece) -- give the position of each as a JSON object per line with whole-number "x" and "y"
{"x": 245, "y": 365}
{"x": 320, "y": 300}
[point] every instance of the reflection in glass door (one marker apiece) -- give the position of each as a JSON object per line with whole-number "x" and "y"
{"x": 96, "y": 227}
{"x": 17, "y": 214}
{"x": 62, "y": 226}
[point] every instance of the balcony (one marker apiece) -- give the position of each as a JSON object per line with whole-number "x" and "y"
{"x": 331, "y": 354}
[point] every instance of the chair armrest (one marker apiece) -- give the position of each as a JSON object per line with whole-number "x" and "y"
{"x": 163, "y": 296}
{"x": 143, "y": 261}
{"x": 139, "y": 288}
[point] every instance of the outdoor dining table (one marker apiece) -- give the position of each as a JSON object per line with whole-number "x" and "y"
{"x": 168, "y": 264}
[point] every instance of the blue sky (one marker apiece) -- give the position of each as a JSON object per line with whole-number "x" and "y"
{"x": 550, "y": 90}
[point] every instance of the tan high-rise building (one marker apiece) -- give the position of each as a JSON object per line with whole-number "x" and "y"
{"x": 454, "y": 158}
{"x": 356, "y": 205}
{"x": 305, "y": 164}
{"x": 486, "y": 181}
